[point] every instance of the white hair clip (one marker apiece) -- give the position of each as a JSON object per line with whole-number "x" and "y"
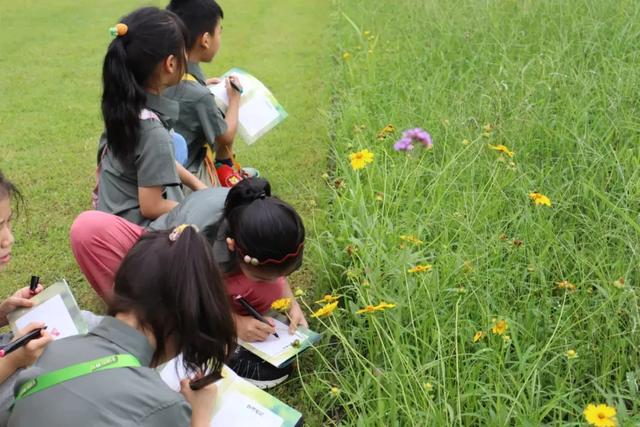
{"x": 250, "y": 260}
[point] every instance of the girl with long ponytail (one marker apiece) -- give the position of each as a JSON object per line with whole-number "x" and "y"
{"x": 139, "y": 178}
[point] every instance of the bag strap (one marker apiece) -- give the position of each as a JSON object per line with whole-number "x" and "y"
{"x": 50, "y": 379}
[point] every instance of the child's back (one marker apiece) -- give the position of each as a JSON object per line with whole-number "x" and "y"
{"x": 209, "y": 133}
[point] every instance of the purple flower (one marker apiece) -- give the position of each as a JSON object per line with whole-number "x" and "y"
{"x": 410, "y": 136}
{"x": 404, "y": 144}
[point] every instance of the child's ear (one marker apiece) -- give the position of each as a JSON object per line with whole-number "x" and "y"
{"x": 170, "y": 64}
{"x": 231, "y": 244}
{"x": 205, "y": 41}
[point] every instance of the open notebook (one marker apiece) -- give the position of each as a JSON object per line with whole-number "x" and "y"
{"x": 282, "y": 351}
{"x": 239, "y": 403}
{"x": 259, "y": 110}
{"x": 57, "y": 308}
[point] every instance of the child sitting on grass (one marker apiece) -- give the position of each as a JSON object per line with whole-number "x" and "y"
{"x": 139, "y": 177}
{"x": 209, "y": 133}
{"x": 258, "y": 242}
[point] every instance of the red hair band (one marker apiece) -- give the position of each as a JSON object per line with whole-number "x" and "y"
{"x": 254, "y": 261}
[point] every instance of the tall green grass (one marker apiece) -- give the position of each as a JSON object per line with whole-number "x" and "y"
{"x": 557, "y": 82}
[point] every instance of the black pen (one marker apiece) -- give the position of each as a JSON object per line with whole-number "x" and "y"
{"x": 33, "y": 285}
{"x": 23, "y": 340}
{"x": 201, "y": 383}
{"x": 254, "y": 312}
{"x": 235, "y": 86}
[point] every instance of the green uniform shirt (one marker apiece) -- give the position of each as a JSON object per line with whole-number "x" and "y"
{"x": 200, "y": 120}
{"x": 117, "y": 397}
{"x": 154, "y": 165}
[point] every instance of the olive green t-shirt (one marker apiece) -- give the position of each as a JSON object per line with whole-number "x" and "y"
{"x": 200, "y": 120}
{"x": 153, "y": 165}
{"x": 117, "y": 397}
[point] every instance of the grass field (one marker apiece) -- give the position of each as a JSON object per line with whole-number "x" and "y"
{"x": 554, "y": 81}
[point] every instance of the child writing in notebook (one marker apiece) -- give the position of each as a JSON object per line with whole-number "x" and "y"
{"x": 28, "y": 354}
{"x": 209, "y": 132}
{"x": 257, "y": 243}
{"x": 20, "y": 299}
{"x": 168, "y": 299}
{"x": 139, "y": 177}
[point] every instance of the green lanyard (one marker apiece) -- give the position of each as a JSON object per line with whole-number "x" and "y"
{"x": 50, "y": 379}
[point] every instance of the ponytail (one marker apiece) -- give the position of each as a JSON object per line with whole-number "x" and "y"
{"x": 266, "y": 230}
{"x": 170, "y": 282}
{"x": 132, "y": 58}
{"x": 122, "y": 100}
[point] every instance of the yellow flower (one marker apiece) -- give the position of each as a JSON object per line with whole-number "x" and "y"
{"x": 619, "y": 283}
{"x": 571, "y": 354}
{"x": 367, "y": 309}
{"x": 325, "y": 310}
{"x": 411, "y": 239}
{"x": 335, "y": 391}
{"x": 539, "y": 199}
{"x": 299, "y": 292}
{"x": 327, "y": 299}
{"x": 420, "y": 268}
{"x": 361, "y": 159}
{"x": 500, "y": 327}
{"x": 479, "y": 335}
{"x": 367, "y": 33}
{"x": 502, "y": 149}
{"x": 466, "y": 142}
{"x": 371, "y": 308}
{"x": 428, "y": 387}
{"x": 282, "y": 304}
{"x": 506, "y": 339}
{"x": 346, "y": 56}
{"x": 565, "y": 284}
{"x": 388, "y": 129}
{"x": 600, "y": 415}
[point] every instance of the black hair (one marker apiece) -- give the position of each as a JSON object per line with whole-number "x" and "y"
{"x": 8, "y": 189}
{"x": 199, "y": 16}
{"x": 264, "y": 227}
{"x": 131, "y": 60}
{"x": 174, "y": 289}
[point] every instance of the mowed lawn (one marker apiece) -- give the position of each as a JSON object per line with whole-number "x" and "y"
{"x": 50, "y": 86}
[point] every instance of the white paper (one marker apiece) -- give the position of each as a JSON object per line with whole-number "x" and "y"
{"x": 256, "y": 114}
{"x": 246, "y": 82}
{"x": 240, "y": 411}
{"x": 54, "y": 314}
{"x": 273, "y": 346}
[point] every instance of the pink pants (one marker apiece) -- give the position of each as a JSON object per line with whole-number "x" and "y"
{"x": 99, "y": 242}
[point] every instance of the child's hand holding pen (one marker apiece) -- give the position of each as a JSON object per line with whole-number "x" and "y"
{"x": 234, "y": 88}
{"x": 31, "y": 351}
{"x": 20, "y": 299}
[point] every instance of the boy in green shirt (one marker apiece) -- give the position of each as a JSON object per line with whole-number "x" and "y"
{"x": 209, "y": 133}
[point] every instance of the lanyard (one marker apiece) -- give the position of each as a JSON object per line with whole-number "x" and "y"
{"x": 59, "y": 376}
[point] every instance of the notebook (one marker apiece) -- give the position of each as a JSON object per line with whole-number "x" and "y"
{"x": 282, "y": 351}
{"x": 57, "y": 308}
{"x": 259, "y": 110}
{"x": 238, "y": 403}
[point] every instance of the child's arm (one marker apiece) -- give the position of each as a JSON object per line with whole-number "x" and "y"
{"x": 26, "y": 355}
{"x": 189, "y": 179}
{"x": 296, "y": 315}
{"x": 152, "y": 203}
{"x": 231, "y": 118}
{"x": 21, "y": 298}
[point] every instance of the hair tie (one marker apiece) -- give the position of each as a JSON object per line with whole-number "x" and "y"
{"x": 177, "y": 232}
{"x": 119, "y": 30}
{"x": 261, "y": 195}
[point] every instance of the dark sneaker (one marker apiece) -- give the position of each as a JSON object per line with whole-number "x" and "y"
{"x": 255, "y": 370}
